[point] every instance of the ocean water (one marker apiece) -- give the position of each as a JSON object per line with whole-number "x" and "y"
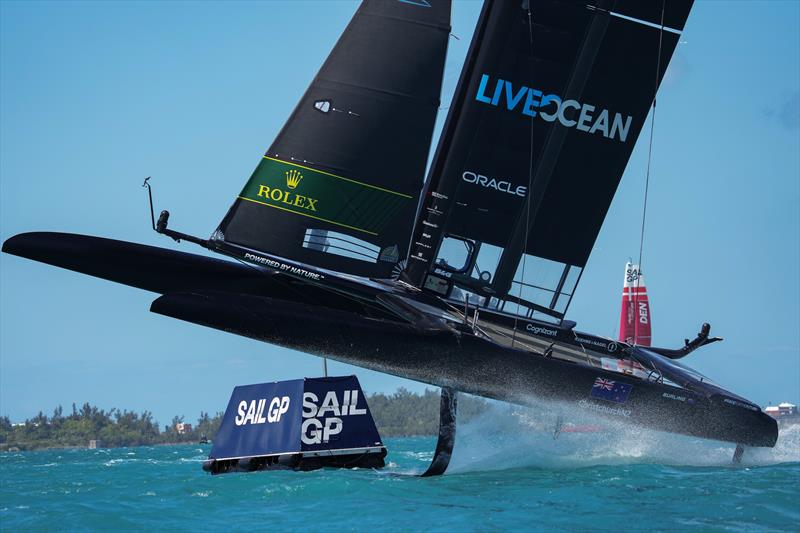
{"x": 507, "y": 473}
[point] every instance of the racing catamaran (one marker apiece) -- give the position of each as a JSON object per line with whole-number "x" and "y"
{"x": 462, "y": 282}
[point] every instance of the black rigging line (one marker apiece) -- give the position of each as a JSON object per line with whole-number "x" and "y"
{"x": 649, "y": 160}
{"x": 530, "y": 190}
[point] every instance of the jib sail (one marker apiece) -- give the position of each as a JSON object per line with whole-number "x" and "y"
{"x": 339, "y": 186}
{"x": 550, "y": 103}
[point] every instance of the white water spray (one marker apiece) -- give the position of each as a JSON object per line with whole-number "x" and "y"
{"x": 509, "y": 436}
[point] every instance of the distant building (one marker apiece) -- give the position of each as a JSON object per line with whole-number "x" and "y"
{"x": 93, "y": 444}
{"x": 183, "y": 428}
{"x": 781, "y": 410}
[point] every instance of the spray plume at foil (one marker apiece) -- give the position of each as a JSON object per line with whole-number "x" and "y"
{"x": 508, "y": 436}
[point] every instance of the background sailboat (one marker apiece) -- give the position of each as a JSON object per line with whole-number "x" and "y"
{"x": 635, "y": 321}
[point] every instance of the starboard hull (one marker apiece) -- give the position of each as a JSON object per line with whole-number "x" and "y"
{"x": 469, "y": 364}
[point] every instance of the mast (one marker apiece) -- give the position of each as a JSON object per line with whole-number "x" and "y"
{"x": 430, "y": 224}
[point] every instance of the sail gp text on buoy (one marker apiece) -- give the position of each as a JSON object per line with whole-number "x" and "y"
{"x": 317, "y": 427}
{"x": 253, "y": 412}
{"x": 320, "y": 420}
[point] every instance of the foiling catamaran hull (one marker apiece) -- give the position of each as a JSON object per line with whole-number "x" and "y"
{"x": 270, "y": 306}
{"x": 466, "y": 363}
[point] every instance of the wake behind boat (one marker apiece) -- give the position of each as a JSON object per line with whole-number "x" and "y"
{"x": 463, "y": 283}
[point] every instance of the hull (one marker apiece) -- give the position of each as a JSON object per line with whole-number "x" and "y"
{"x": 469, "y": 364}
{"x": 384, "y": 328}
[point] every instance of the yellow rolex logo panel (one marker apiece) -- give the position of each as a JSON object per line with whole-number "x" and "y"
{"x": 285, "y": 197}
{"x": 293, "y": 178}
{"x": 320, "y": 195}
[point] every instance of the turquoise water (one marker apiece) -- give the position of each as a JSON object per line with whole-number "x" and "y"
{"x": 616, "y": 480}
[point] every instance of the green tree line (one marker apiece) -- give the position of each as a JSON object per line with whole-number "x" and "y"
{"x": 113, "y": 428}
{"x": 406, "y": 413}
{"x": 402, "y": 413}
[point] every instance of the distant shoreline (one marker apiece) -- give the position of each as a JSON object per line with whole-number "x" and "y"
{"x": 4, "y": 448}
{"x": 401, "y": 414}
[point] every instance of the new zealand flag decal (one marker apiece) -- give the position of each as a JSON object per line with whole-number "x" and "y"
{"x": 612, "y": 391}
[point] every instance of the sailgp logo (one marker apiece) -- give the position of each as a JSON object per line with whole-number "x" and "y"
{"x": 551, "y": 107}
{"x": 323, "y": 420}
{"x": 631, "y": 275}
{"x": 253, "y": 412}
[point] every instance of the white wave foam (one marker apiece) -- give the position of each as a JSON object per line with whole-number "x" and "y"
{"x": 196, "y": 459}
{"x": 115, "y": 462}
{"x": 512, "y": 437}
{"x": 786, "y": 450}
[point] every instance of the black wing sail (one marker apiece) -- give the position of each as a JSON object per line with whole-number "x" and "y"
{"x": 339, "y": 186}
{"x": 545, "y": 116}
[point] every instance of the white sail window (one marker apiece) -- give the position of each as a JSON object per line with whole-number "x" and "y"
{"x": 459, "y": 295}
{"x": 454, "y": 254}
{"x": 486, "y": 262}
{"x": 539, "y": 272}
{"x": 336, "y": 243}
{"x": 323, "y": 105}
{"x": 546, "y": 284}
{"x": 572, "y": 280}
{"x": 562, "y": 302}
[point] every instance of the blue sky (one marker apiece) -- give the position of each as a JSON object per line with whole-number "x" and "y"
{"x": 94, "y": 96}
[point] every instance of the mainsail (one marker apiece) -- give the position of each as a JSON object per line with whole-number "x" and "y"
{"x": 634, "y": 321}
{"x": 339, "y": 186}
{"x": 549, "y": 105}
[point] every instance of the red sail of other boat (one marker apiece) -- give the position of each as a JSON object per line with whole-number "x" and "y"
{"x": 634, "y": 320}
